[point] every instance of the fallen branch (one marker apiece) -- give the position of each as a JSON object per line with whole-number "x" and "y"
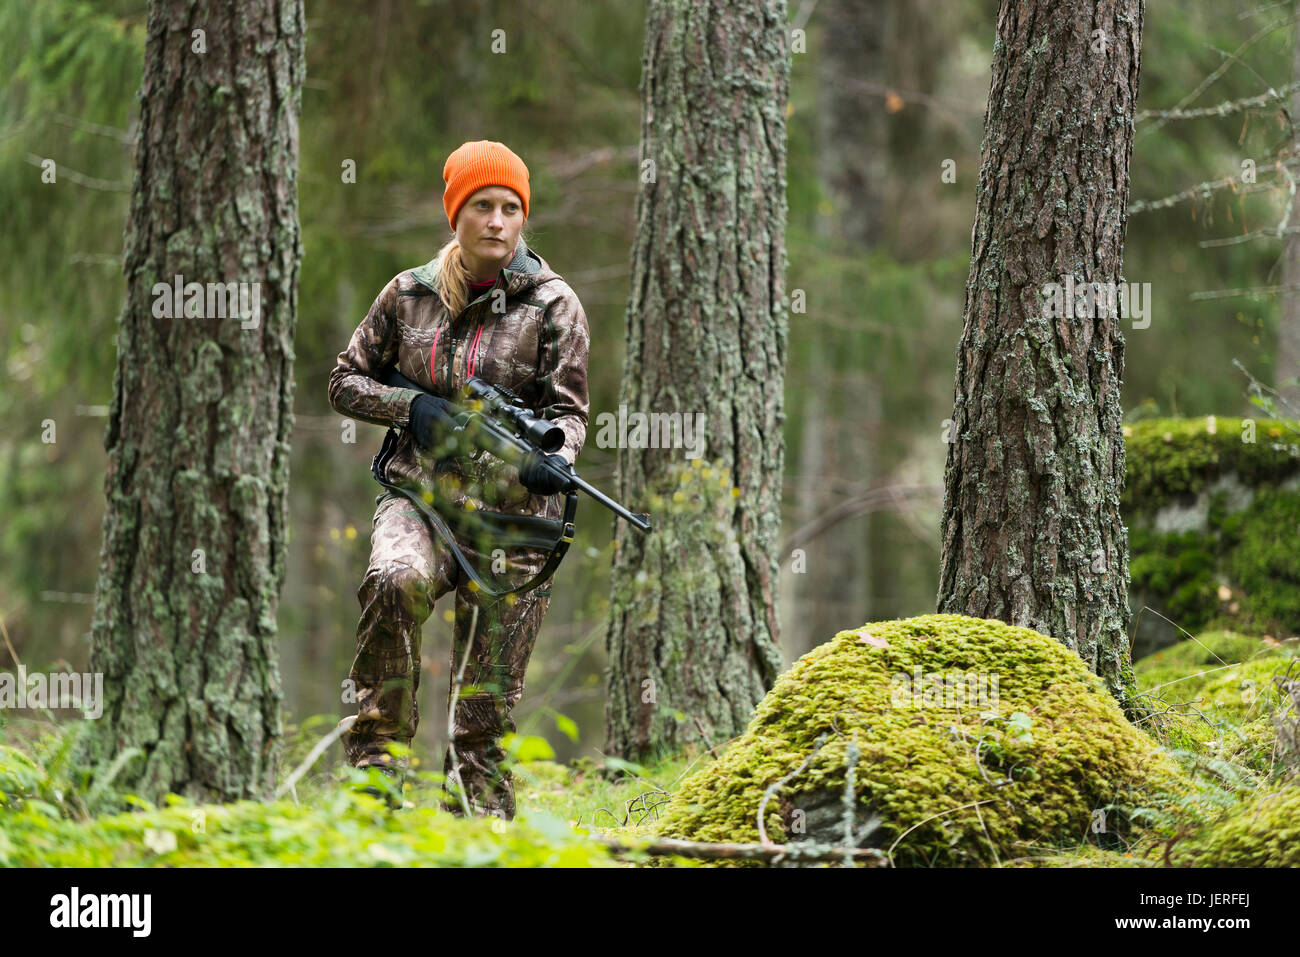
{"x": 702, "y": 850}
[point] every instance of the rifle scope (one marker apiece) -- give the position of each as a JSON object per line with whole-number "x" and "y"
{"x": 504, "y": 403}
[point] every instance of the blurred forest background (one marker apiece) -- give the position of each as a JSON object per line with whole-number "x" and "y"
{"x": 882, "y": 95}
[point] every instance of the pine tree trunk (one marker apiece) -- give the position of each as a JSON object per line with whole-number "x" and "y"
{"x": 195, "y": 530}
{"x": 1286, "y": 370}
{"x": 1031, "y": 521}
{"x": 693, "y": 627}
{"x": 852, "y": 150}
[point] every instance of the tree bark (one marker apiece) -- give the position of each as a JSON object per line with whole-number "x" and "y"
{"x": 693, "y": 624}
{"x": 1032, "y": 533}
{"x": 1287, "y": 368}
{"x": 195, "y": 530}
{"x": 852, "y": 160}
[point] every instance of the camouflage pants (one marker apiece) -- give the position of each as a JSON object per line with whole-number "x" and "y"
{"x": 410, "y": 568}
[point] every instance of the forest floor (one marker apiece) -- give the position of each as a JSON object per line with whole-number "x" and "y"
{"x": 1215, "y": 697}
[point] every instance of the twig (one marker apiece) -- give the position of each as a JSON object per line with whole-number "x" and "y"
{"x": 1257, "y": 387}
{"x": 339, "y": 730}
{"x": 704, "y": 735}
{"x": 451, "y": 714}
{"x": 1233, "y": 293}
{"x": 1199, "y": 191}
{"x": 1223, "y": 109}
{"x": 1138, "y": 617}
{"x": 850, "y": 797}
{"x": 1221, "y": 69}
{"x": 854, "y": 506}
{"x": 90, "y": 182}
{"x": 773, "y": 788}
{"x": 13, "y": 654}
{"x": 112, "y": 132}
{"x": 890, "y": 853}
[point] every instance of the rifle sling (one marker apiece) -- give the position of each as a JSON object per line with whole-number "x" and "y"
{"x": 531, "y": 531}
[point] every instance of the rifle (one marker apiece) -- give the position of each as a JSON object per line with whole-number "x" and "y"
{"x": 497, "y": 421}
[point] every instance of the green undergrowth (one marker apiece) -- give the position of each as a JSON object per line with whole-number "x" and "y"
{"x": 47, "y": 820}
{"x": 1216, "y": 695}
{"x": 353, "y": 830}
{"x": 1049, "y": 775}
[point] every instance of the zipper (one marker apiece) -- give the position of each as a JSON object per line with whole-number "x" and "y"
{"x": 473, "y": 350}
{"x": 451, "y": 352}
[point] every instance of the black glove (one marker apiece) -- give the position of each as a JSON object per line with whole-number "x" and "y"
{"x": 536, "y": 477}
{"x": 431, "y": 420}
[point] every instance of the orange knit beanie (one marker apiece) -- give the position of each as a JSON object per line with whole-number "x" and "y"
{"x": 479, "y": 163}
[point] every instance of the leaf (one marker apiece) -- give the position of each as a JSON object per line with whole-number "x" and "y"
{"x": 567, "y": 726}
{"x": 618, "y": 764}
{"x": 528, "y": 747}
{"x": 869, "y": 639}
{"x": 549, "y": 826}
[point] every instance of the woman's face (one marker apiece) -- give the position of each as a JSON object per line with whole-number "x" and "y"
{"x": 487, "y": 229}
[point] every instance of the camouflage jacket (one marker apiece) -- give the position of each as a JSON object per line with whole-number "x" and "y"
{"x": 537, "y": 347}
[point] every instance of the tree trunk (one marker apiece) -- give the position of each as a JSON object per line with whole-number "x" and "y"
{"x": 195, "y": 530}
{"x": 1287, "y": 368}
{"x": 693, "y": 628}
{"x": 852, "y": 132}
{"x": 852, "y": 151}
{"x": 1032, "y": 527}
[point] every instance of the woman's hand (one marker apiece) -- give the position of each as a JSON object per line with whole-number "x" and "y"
{"x": 431, "y": 421}
{"x": 544, "y": 474}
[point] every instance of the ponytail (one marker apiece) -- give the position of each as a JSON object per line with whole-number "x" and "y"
{"x": 452, "y": 278}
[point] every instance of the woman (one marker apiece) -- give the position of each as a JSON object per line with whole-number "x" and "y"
{"x": 485, "y": 306}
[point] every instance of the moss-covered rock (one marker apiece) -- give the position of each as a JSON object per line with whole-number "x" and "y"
{"x": 1213, "y": 508}
{"x": 1166, "y": 459}
{"x": 1022, "y": 747}
{"x": 1261, "y": 832}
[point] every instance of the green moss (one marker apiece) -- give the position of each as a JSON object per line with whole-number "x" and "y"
{"x": 1237, "y": 691}
{"x": 1262, "y": 832}
{"x": 1180, "y": 569}
{"x": 1263, "y": 560}
{"x": 1251, "y": 548}
{"x": 952, "y": 782}
{"x": 1166, "y": 458}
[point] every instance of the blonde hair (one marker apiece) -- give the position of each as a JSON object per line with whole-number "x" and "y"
{"x": 453, "y": 278}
